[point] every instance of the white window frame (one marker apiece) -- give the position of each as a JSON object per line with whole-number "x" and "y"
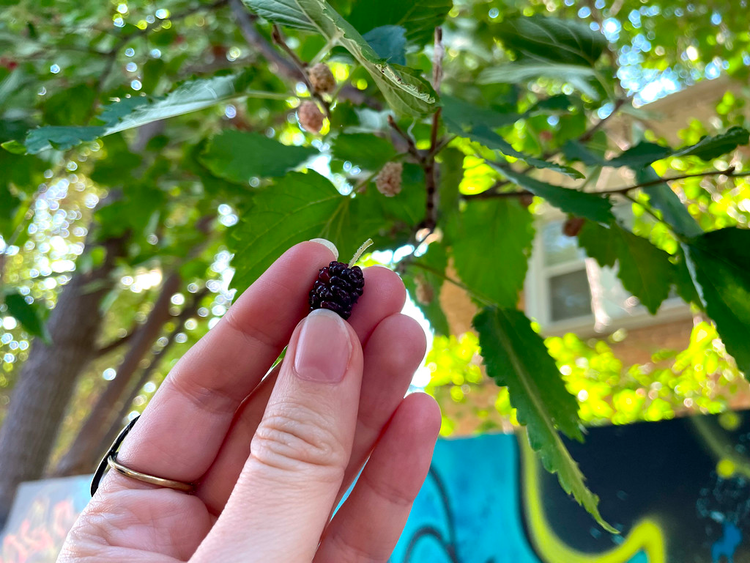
{"x": 537, "y": 295}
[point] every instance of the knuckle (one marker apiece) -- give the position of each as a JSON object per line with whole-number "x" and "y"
{"x": 294, "y": 436}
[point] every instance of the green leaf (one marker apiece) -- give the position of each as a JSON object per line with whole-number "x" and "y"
{"x": 418, "y": 17}
{"x": 515, "y": 357}
{"x": 644, "y": 153}
{"x": 27, "y": 315}
{"x": 589, "y": 205}
{"x": 404, "y": 90}
{"x": 580, "y": 77}
{"x": 487, "y": 137}
{"x": 70, "y": 106}
{"x": 550, "y": 39}
{"x": 8, "y": 207}
{"x": 665, "y": 200}
{"x": 363, "y": 149}
{"x": 424, "y": 280}
{"x": 718, "y": 262}
{"x": 451, "y": 173}
{"x": 238, "y": 156}
{"x": 297, "y": 208}
{"x": 153, "y": 70}
{"x": 119, "y": 166}
{"x": 488, "y": 233}
{"x": 389, "y": 42}
{"x": 640, "y": 156}
{"x": 684, "y": 284}
{"x": 135, "y": 112}
{"x": 645, "y": 271}
{"x": 575, "y": 151}
{"x": 459, "y": 115}
{"x": 709, "y": 148}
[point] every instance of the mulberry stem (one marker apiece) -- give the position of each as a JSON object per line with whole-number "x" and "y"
{"x": 365, "y": 245}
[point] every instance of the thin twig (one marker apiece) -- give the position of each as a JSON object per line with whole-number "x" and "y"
{"x": 730, "y": 173}
{"x": 410, "y": 146}
{"x": 588, "y": 135}
{"x": 278, "y": 38}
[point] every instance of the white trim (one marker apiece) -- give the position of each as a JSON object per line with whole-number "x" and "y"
{"x": 537, "y": 297}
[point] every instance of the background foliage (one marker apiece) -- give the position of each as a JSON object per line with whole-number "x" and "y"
{"x": 158, "y": 158}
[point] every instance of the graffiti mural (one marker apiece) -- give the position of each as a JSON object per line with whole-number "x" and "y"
{"x": 43, "y": 513}
{"x": 678, "y": 491}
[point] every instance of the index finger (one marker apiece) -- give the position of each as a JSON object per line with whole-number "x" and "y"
{"x": 184, "y": 425}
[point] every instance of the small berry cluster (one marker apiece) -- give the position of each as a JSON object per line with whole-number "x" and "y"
{"x": 388, "y": 180}
{"x": 337, "y": 288}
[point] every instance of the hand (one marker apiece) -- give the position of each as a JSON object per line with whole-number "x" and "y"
{"x": 272, "y": 458}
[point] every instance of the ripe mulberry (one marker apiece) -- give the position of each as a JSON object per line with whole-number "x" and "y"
{"x": 322, "y": 79}
{"x": 388, "y": 181}
{"x": 310, "y": 117}
{"x": 339, "y": 286}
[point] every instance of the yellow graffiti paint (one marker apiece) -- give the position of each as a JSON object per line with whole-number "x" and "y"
{"x": 646, "y": 535}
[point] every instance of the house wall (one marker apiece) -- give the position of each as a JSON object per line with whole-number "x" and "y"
{"x": 670, "y": 329}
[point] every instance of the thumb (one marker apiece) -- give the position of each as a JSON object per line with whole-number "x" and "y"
{"x": 285, "y": 494}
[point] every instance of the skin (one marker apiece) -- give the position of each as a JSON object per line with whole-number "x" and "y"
{"x": 273, "y": 456}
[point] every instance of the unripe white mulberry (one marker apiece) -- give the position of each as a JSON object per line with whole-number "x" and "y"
{"x": 310, "y": 117}
{"x": 322, "y": 79}
{"x": 424, "y": 291}
{"x": 388, "y": 181}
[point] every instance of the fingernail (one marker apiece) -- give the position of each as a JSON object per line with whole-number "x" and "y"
{"x": 323, "y": 349}
{"x": 329, "y": 245}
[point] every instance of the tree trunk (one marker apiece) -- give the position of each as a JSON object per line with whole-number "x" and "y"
{"x": 118, "y": 421}
{"x": 84, "y": 451}
{"x": 48, "y": 378}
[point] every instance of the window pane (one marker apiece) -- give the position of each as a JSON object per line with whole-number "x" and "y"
{"x": 558, "y": 248}
{"x": 570, "y": 296}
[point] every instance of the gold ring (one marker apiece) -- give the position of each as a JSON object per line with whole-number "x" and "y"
{"x": 146, "y": 478}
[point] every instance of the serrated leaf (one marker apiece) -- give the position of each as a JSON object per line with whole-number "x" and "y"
{"x": 389, "y": 42}
{"x": 709, "y": 148}
{"x": 580, "y": 77}
{"x": 404, "y": 90}
{"x": 135, "y": 112}
{"x": 665, "y": 200}
{"x": 588, "y": 205}
{"x": 516, "y": 357}
{"x": 27, "y": 315}
{"x": 644, "y": 270}
{"x": 640, "y": 156}
{"x": 238, "y": 156}
{"x": 487, "y": 137}
{"x": 418, "y": 17}
{"x": 575, "y": 151}
{"x": 550, "y": 39}
{"x": 643, "y": 154}
{"x": 489, "y": 233}
{"x": 363, "y": 149}
{"x": 718, "y": 263}
{"x": 297, "y": 208}
{"x": 300, "y": 207}
{"x": 424, "y": 280}
{"x": 460, "y": 115}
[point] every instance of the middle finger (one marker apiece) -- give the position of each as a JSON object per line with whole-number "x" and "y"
{"x": 384, "y": 296}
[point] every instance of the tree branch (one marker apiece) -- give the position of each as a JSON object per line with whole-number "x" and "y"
{"x": 115, "y": 344}
{"x": 729, "y": 172}
{"x": 254, "y": 39}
